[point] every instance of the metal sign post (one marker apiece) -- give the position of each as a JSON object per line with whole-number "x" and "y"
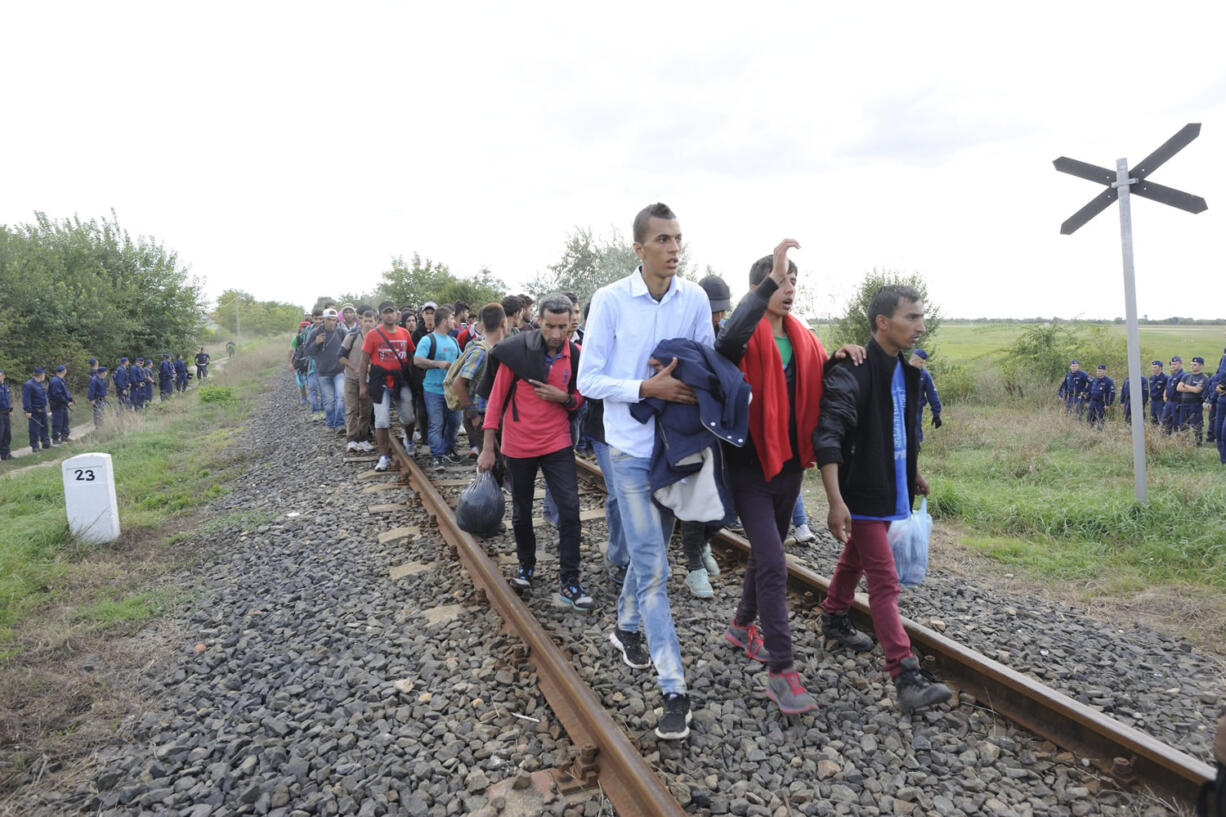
{"x": 1122, "y": 185}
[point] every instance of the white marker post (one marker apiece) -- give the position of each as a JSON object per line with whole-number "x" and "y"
{"x": 89, "y": 498}
{"x": 1139, "y": 481}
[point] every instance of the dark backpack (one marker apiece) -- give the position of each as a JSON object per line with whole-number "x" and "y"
{"x": 302, "y": 361}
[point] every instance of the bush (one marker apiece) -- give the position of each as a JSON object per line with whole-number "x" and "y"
{"x": 218, "y": 394}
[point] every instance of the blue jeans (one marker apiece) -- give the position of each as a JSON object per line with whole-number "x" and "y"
{"x": 798, "y": 512}
{"x": 617, "y": 553}
{"x": 332, "y": 388}
{"x": 643, "y": 603}
{"x": 444, "y": 424}
{"x": 313, "y": 391}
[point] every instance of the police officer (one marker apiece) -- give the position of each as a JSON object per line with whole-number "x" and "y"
{"x": 136, "y": 384}
{"x": 6, "y": 419}
{"x": 1191, "y": 399}
{"x": 927, "y": 393}
{"x": 150, "y": 377}
{"x": 1157, "y": 388}
{"x": 180, "y": 373}
{"x": 202, "y": 364}
{"x": 1073, "y": 389}
{"x": 166, "y": 376}
{"x": 123, "y": 383}
{"x": 61, "y": 401}
{"x": 1125, "y": 394}
{"x": 97, "y": 394}
{"x": 1170, "y": 408}
{"x": 34, "y": 404}
{"x": 1099, "y": 395}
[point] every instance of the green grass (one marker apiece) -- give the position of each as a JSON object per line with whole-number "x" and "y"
{"x": 173, "y": 458}
{"x": 1036, "y": 489}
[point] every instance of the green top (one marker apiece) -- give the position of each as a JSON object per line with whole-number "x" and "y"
{"x": 785, "y": 349}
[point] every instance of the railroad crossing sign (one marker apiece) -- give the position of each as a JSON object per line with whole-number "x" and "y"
{"x": 1120, "y": 184}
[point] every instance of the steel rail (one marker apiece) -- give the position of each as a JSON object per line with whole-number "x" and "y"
{"x": 627, "y": 779}
{"x": 1129, "y": 755}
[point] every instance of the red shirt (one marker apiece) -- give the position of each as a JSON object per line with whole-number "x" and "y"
{"x": 385, "y": 356}
{"x": 543, "y": 427}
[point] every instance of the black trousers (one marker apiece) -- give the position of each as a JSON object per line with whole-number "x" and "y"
{"x": 563, "y": 482}
{"x": 6, "y": 436}
{"x": 694, "y": 537}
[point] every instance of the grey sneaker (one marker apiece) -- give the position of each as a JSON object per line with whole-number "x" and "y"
{"x": 748, "y": 639}
{"x": 699, "y": 585}
{"x": 708, "y": 561}
{"x": 838, "y": 629}
{"x": 917, "y": 688}
{"x": 786, "y": 690}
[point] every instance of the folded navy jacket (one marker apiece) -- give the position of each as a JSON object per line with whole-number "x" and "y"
{"x": 687, "y": 469}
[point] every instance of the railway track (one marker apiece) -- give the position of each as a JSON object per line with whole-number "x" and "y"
{"x": 1132, "y": 758}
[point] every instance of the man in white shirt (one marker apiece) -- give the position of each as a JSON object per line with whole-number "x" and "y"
{"x": 627, "y": 319}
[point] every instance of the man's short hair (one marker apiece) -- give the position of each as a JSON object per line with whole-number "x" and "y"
{"x": 460, "y": 306}
{"x": 887, "y": 299}
{"x": 441, "y": 314}
{"x": 574, "y": 299}
{"x": 555, "y": 302}
{"x": 317, "y": 313}
{"x": 762, "y": 268}
{"x": 525, "y": 300}
{"x": 511, "y": 304}
{"x": 641, "y": 221}
{"x": 492, "y": 317}
{"x": 364, "y": 308}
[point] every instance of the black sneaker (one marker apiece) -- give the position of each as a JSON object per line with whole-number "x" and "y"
{"x": 573, "y": 595}
{"x": 918, "y": 688}
{"x": 631, "y": 646}
{"x": 522, "y": 579}
{"x": 838, "y": 629}
{"x": 675, "y": 722}
{"x": 617, "y": 573}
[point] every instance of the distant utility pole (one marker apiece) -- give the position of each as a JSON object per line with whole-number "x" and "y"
{"x": 1119, "y": 185}
{"x": 237, "y": 332}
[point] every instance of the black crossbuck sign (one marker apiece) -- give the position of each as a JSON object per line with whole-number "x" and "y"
{"x": 1138, "y": 182}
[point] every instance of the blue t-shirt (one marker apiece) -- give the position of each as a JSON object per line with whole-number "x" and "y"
{"x": 902, "y": 501}
{"x": 448, "y": 350}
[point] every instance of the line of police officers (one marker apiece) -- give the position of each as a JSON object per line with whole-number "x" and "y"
{"x": 1176, "y": 399}
{"x": 133, "y": 389}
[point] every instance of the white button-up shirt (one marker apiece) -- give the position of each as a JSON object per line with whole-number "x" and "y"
{"x": 624, "y": 325}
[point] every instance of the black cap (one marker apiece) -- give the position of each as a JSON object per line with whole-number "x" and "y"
{"x": 387, "y": 305}
{"x": 717, "y": 293}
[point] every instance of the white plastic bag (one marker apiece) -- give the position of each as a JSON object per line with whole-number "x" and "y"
{"x": 909, "y": 542}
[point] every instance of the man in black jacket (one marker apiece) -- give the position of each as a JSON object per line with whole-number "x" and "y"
{"x": 867, "y": 447}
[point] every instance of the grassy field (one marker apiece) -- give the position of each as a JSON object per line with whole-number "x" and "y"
{"x": 169, "y": 460}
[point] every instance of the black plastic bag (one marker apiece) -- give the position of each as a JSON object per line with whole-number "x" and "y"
{"x": 481, "y": 506}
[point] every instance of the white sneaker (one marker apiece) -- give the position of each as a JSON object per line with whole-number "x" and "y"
{"x": 803, "y": 535}
{"x": 382, "y": 464}
{"x": 366, "y": 447}
{"x": 351, "y": 447}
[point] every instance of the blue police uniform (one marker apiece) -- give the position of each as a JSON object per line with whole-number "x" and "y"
{"x": 202, "y": 364}
{"x": 34, "y": 403}
{"x": 6, "y": 421}
{"x": 1099, "y": 395}
{"x": 1126, "y": 402}
{"x": 1214, "y": 401}
{"x": 1191, "y": 405}
{"x": 927, "y": 397}
{"x": 1170, "y": 409}
{"x": 166, "y": 376}
{"x": 60, "y": 400}
{"x": 136, "y": 384}
{"x": 97, "y": 394}
{"x": 180, "y": 374}
{"x": 1157, "y": 387}
{"x": 1073, "y": 391}
{"x": 123, "y": 383}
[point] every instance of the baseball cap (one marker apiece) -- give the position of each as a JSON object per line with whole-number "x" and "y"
{"x": 329, "y": 313}
{"x": 93, "y": 360}
{"x": 102, "y": 367}
{"x": 387, "y": 306}
{"x": 140, "y": 360}
{"x": 1198, "y": 359}
{"x": 61, "y": 368}
{"x": 717, "y": 293}
{"x": 1156, "y": 362}
{"x": 123, "y": 360}
{"x": 1176, "y": 359}
{"x": 429, "y": 305}
{"x": 921, "y": 354}
{"x": 1074, "y": 363}
{"x": 39, "y": 370}
{"x": 1102, "y": 365}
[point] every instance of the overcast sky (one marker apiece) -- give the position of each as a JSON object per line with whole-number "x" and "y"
{"x": 291, "y": 149}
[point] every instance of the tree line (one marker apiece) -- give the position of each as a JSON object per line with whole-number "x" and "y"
{"x": 78, "y": 289}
